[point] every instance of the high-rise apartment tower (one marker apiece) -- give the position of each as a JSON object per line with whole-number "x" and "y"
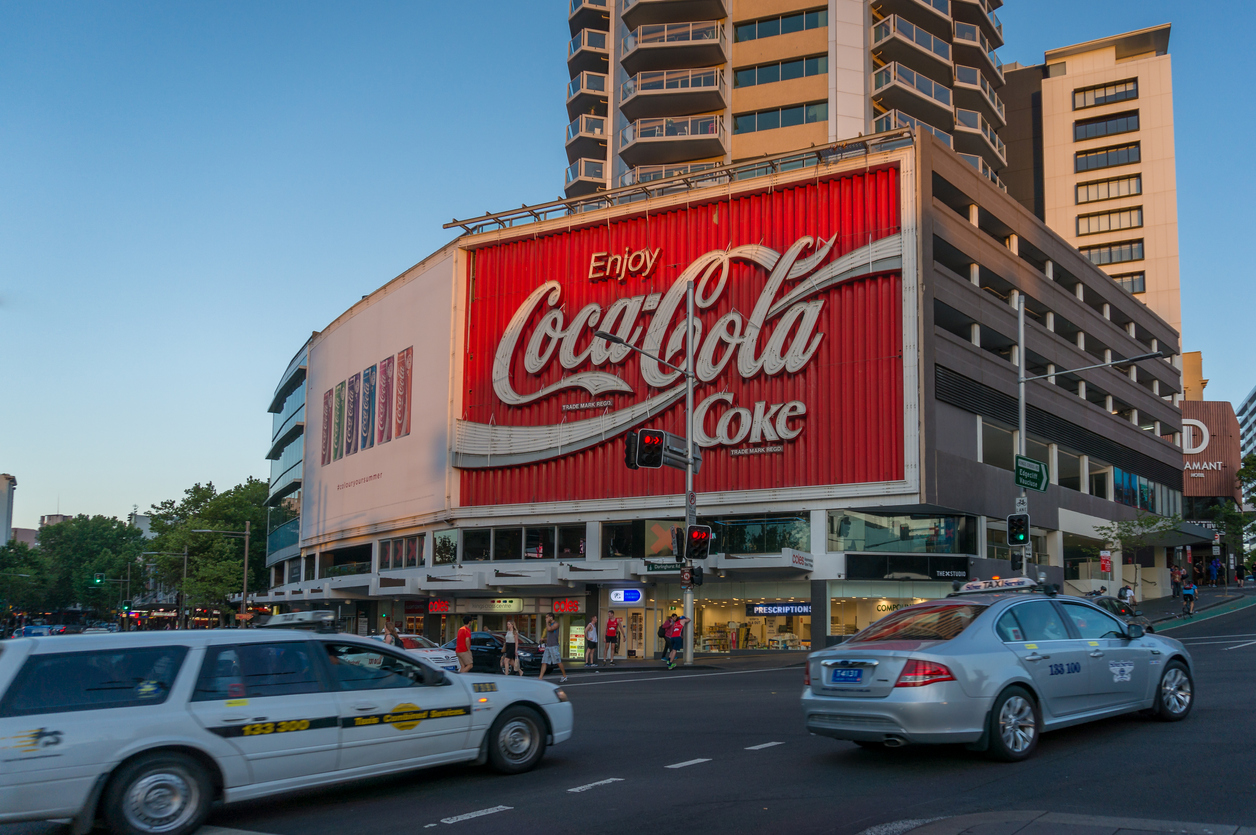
{"x": 666, "y": 87}
{"x": 1091, "y": 152}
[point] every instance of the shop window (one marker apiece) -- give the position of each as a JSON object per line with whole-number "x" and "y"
{"x": 414, "y": 547}
{"x": 507, "y": 543}
{"x": 769, "y": 534}
{"x": 852, "y": 531}
{"x": 571, "y": 541}
{"x": 538, "y": 543}
{"x": 445, "y": 547}
{"x": 996, "y": 446}
{"x": 623, "y": 540}
{"x": 476, "y": 544}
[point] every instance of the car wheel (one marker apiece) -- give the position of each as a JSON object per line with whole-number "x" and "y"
{"x": 516, "y": 742}
{"x": 1015, "y": 725}
{"x": 1176, "y": 693}
{"x": 164, "y": 793}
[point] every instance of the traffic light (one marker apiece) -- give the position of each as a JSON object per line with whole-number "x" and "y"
{"x": 650, "y": 444}
{"x": 1018, "y": 529}
{"x": 697, "y": 575}
{"x": 698, "y": 539}
{"x": 100, "y": 578}
{"x": 630, "y": 450}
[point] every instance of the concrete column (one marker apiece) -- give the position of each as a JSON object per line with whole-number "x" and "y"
{"x": 819, "y": 535}
{"x": 1013, "y": 243}
{"x": 974, "y": 275}
{"x": 981, "y": 453}
{"x": 1134, "y": 417}
{"x": 821, "y": 622}
{"x": 1107, "y": 311}
{"x": 1133, "y": 373}
{"x": 1081, "y": 389}
{"x": 592, "y": 541}
{"x": 1107, "y": 402}
{"x": 1081, "y": 339}
{"x": 1155, "y": 387}
{"x": 429, "y": 545}
{"x": 1055, "y": 548}
{"x": 1053, "y": 462}
{"x": 1051, "y": 372}
{"x": 1155, "y": 345}
{"x": 1177, "y": 439}
{"x": 1084, "y": 464}
{"x": 975, "y": 334}
{"x": 1048, "y": 270}
{"x": 1013, "y": 299}
{"x": 1107, "y": 355}
{"x": 1051, "y": 320}
{"x": 981, "y": 536}
{"x": 1080, "y": 291}
{"x": 974, "y": 213}
{"x": 1016, "y": 359}
{"x": 1158, "y": 432}
{"x": 1129, "y": 328}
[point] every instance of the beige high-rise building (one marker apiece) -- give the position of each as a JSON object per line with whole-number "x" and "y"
{"x": 666, "y": 87}
{"x": 1091, "y": 152}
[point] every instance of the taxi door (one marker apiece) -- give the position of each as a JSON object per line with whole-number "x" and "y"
{"x": 1120, "y": 667}
{"x": 1058, "y": 662}
{"x": 392, "y": 713}
{"x": 269, "y": 702}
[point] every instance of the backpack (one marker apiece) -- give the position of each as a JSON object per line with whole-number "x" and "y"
{"x": 663, "y": 631}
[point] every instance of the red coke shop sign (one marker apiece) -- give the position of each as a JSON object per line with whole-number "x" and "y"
{"x": 798, "y": 339}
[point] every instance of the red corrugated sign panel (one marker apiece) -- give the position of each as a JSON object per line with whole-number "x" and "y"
{"x": 799, "y": 347}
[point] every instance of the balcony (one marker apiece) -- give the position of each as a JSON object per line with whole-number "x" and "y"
{"x": 974, "y": 92}
{"x": 650, "y": 173}
{"x": 898, "y": 39}
{"x": 585, "y": 176}
{"x": 896, "y": 87}
{"x": 673, "y": 140}
{"x": 979, "y": 162}
{"x": 589, "y": 14}
{"x": 897, "y": 119}
{"x": 974, "y": 135}
{"x": 588, "y": 51}
{"x": 586, "y": 137}
{"x": 673, "y": 46}
{"x": 643, "y": 12}
{"x": 587, "y": 93}
{"x": 981, "y": 13}
{"x": 673, "y": 93}
{"x": 973, "y": 48}
{"x": 934, "y": 15}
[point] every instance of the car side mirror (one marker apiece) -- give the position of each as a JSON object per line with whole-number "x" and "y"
{"x": 1137, "y": 612}
{"x": 1133, "y": 631}
{"x": 434, "y": 678}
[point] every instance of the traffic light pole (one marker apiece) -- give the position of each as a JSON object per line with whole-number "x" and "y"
{"x": 691, "y": 511}
{"x": 1027, "y": 548}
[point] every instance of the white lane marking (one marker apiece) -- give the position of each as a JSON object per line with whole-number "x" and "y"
{"x": 1214, "y": 637}
{"x": 687, "y": 763}
{"x": 1240, "y": 646}
{"x": 897, "y": 827}
{"x": 588, "y": 786}
{"x": 223, "y": 830}
{"x": 469, "y": 815}
{"x": 430, "y": 825}
{"x": 682, "y": 677}
{"x": 764, "y": 745}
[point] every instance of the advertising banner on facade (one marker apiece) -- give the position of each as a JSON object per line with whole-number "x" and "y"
{"x": 798, "y": 346}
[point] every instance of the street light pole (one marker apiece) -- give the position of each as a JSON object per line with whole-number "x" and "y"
{"x": 244, "y": 594}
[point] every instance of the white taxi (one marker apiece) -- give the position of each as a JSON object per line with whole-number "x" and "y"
{"x": 143, "y": 731}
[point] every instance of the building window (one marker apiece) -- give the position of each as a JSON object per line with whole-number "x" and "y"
{"x": 783, "y": 25}
{"x": 996, "y": 446}
{"x": 477, "y": 544}
{"x": 1105, "y": 126}
{"x": 445, "y": 547}
{"x": 1113, "y": 221}
{"x": 1110, "y": 189}
{"x": 781, "y": 71}
{"x": 781, "y": 117}
{"x": 1107, "y": 157}
{"x": 761, "y": 534}
{"x": 907, "y": 533}
{"x": 400, "y": 553}
{"x": 1117, "y": 253}
{"x": 1134, "y": 282}
{"x": 1105, "y": 94}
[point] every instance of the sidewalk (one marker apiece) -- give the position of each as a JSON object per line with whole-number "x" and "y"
{"x": 1051, "y": 823}
{"x": 704, "y": 662}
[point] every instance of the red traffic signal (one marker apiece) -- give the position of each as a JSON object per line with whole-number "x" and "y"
{"x": 650, "y": 445}
{"x": 698, "y": 539}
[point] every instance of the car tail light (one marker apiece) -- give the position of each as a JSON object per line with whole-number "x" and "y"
{"x": 806, "y": 674}
{"x": 918, "y": 673}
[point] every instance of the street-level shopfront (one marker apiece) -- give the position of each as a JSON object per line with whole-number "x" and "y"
{"x": 438, "y": 618}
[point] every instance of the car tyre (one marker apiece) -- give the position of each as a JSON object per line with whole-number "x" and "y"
{"x": 1175, "y": 696}
{"x": 516, "y": 742}
{"x": 163, "y": 793}
{"x": 1015, "y": 725}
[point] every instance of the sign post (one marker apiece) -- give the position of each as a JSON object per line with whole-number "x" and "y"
{"x": 1105, "y": 563}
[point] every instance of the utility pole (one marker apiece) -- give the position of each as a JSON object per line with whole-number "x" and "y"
{"x": 691, "y": 510}
{"x": 244, "y": 597}
{"x": 1027, "y": 548}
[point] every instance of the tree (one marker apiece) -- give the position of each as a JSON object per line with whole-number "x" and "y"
{"x": 23, "y": 579}
{"x": 1132, "y": 535}
{"x": 75, "y": 550}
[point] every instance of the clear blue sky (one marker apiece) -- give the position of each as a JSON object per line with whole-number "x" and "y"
{"x": 187, "y": 190}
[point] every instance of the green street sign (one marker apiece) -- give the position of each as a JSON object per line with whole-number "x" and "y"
{"x": 1031, "y": 474}
{"x": 664, "y": 566}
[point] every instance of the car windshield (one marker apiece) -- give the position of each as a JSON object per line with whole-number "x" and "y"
{"x": 926, "y": 623}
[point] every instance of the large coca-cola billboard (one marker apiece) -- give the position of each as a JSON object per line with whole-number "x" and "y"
{"x": 799, "y": 346}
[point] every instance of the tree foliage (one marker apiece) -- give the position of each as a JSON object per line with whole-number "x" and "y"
{"x": 1130, "y": 536}
{"x": 76, "y": 550}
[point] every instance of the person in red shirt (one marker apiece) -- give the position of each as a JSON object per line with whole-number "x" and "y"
{"x": 613, "y": 627}
{"x": 462, "y": 646}
{"x": 678, "y": 639}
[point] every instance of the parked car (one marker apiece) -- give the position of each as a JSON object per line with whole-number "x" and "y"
{"x": 1123, "y": 611}
{"x": 487, "y": 649}
{"x": 994, "y": 666}
{"x": 428, "y": 650}
{"x": 145, "y": 730}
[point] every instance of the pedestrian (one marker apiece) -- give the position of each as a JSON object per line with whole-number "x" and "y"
{"x": 1198, "y": 571}
{"x": 552, "y": 656}
{"x": 1175, "y": 574}
{"x": 678, "y": 639}
{"x": 510, "y": 650}
{"x": 590, "y": 643}
{"x": 665, "y": 633}
{"x": 391, "y": 636}
{"x": 613, "y": 627}
{"x": 1212, "y": 571}
{"x": 1240, "y": 573}
{"x": 462, "y": 645}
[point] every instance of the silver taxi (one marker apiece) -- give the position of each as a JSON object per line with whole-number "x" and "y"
{"x": 994, "y": 666}
{"x": 145, "y": 730}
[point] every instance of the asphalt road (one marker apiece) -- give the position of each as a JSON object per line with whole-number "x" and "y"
{"x": 725, "y": 752}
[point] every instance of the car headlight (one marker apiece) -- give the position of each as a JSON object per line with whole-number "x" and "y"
{"x": 561, "y": 694}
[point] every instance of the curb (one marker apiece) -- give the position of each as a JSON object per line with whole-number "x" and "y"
{"x": 1052, "y": 823}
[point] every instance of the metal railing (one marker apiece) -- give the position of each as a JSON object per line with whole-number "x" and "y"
{"x": 576, "y": 4}
{"x": 655, "y": 34}
{"x": 974, "y": 121}
{"x": 973, "y": 77}
{"x": 922, "y": 84}
{"x": 658, "y": 80}
{"x": 650, "y": 173}
{"x": 586, "y": 169}
{"x": 586, "y": 125}
{"x": 587, "y": 39}
{"x": 666, "y": 128}
{"x": 718, "y": 175}
{"x": 898, "y": 119}
{"x": 895, "y": 25}
{"x": 969, "y": 33}
{"x": 587, "y": 82}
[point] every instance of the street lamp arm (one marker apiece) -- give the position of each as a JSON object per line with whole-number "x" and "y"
{"x": 1126, "y": 361}
{"x": 224, "y": 533}
{"x": 615, "y": 340}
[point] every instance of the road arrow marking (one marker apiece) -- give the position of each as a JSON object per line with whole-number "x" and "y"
{"x": 595, "y": 785}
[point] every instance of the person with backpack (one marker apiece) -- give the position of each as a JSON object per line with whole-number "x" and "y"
{"x": 665, "y": 633}
{"x": 678, "y": 638}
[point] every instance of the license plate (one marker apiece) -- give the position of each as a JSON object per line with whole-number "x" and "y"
{"x": 847, "y": 676}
